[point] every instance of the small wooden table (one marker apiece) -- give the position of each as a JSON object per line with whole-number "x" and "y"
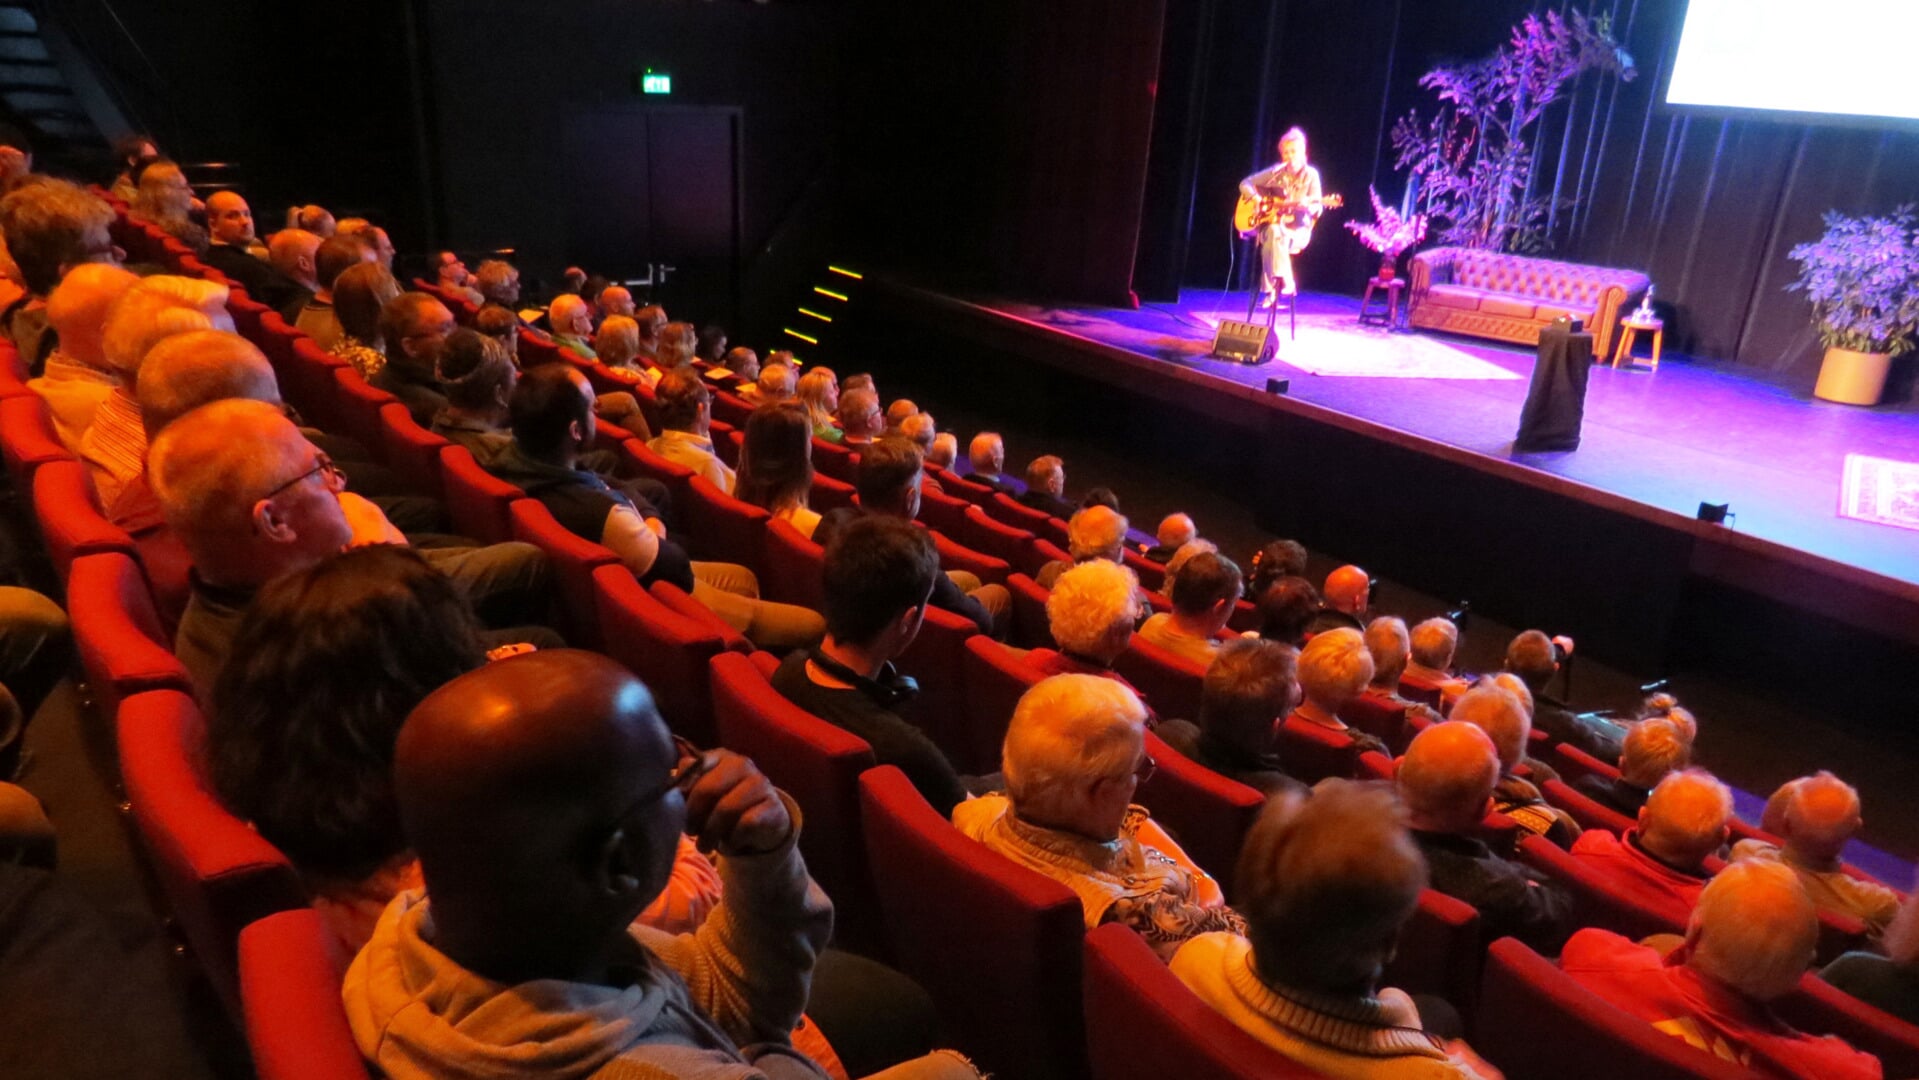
{"x": 1629, "y": 327}
{"x": 1386, "y": 315}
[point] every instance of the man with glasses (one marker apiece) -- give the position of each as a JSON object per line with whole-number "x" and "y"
{"x": 415, "y": 327}
{"x": 1075, "y": 755}
{"x": 546, "y": 800}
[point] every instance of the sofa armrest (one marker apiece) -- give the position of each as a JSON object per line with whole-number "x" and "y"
{"x": 1612, "y": 300}
{"x": 1431, "y": 267}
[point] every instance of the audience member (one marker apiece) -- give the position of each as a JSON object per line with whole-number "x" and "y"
{"x": 1249, "y": 687}
{"x": 1537, "y": 658}
{"x": 1889, "y": 982}
{"x": 879, "y": 573}
{"x": 616, "y": 300}
{"x": 552, "y": 417}
{"x": 1344, "y": 601}
{"x": 1446, "y": 783}
{"x": 888, "y": 483}
{"x": 686, "y": 411}
{"x": 1046, "y": 487}
{"x": 1502, "y": 716}
{"x": 1279, "y": 559}
{"x": 1090, "y": 613}
{"x": 819, "y": 391}
{"x": 164, "y": 197}
{"x": 712, "y": 344}
{"x": 1093, "y": 533}
{"x": 451, "y": 274}
{"x": 1334, "y": 669}
{"x": 1074, "y": 756}
{"x": 775, "y": 384}
{"x": 1815, "y": 816}
{"x": 77, "y": 378}
{"x": 477, "y": 377}
{"x": 1682, "y": 824}
{"x": 653, "y": 322}
{"x": 360, "y": 296}
{"x": 1390, "y": 646}
{"x": 617, "y": 344}
{"x": 317, "y": 220}
{"x": 896, "y": 415}
{"x": 572, "y": 281}
{"x": 1203, "y": 598}
{"x": 317, "y": 318}
{"x": 945, "y": 451}
{"x": 675, "y": 345}
{"x": 1327, "y": 885}
{"x": 414, "y": 326}
{"x": 572, "y": 322}
{"x": 233, "y": 250}
{"x": 374, "y": 237}
{"x": 132, "y": 152}
{"x": 776, "y": 465}
{"x": 1286, "y": 608}
{"x": 1749, "y": 941}
{"x": 1100, "y": 496}
{"x": 499, "y": 282}
{"x": 50, "y": 226}
{"x": 921, "y": 429}
{"x": 1429, "y": 672}
{"x": 295, "y": 254}
{"x": 987, "y": 455}
{"x": 743, "y": 362}
{"x": 1186, "y": 553}
{"x": 502, "y": 326}
{"x": 1175, "y": 532}
{"x": 34, "y": 657}
{"x": 859, "y": 417}
{"x": 1653, "y": 749}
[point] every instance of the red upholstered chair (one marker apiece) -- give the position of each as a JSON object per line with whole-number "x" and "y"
{"x": 795, "y": 567}
{"x": 1820, "y": 1007}
{"x": 994, "y": 679}
{"x": 1171, "y": 683}
{"x": 1031, "y": 629}
{"x": 956, "y": 556}
{"x": 1590, "y": 813}
{"x": 1380, "y": 719}
{"x": 290, "y": 974}
{"x": 477, "y": 502}
{"x": 668, "y": 651}
{"x": 217, "y": 873}
{"x": 1313, "y": 752}
{"x": 1599, "y": 898}
{"x": 816, "y": 763}
{"x": 731, "y": 408}
{"x": 1537, "y": 1022}
{"x": 1413, "y": 688}
{"x": 536, "y": 348}
{"x": 117, "y": 632}
{"x": 934, "y": 660}
{"x": 829, "y": 494}
{"x": 70, "y": 520}
{"x": 307, "y": 383}
{"x": 722, "y": 527}
{"x": 1574, "y": 763}
{"x": 1008, "y": 510}
{"x": 276, "y": 340}
{"x": 1245, "y": 617}
{"x": 411, "y": 450}
{"x": 679, "y": 601}
{"x": 1439, "y": 951}
{"x": 13, "y": 372}
{"x": 834, "y": 460}
{"x": 945, "y": 513}
{"x": 674, "y": 475}
{"x": 1044, "y": 551}
{"x": 726, "y": 442}
{"x": 955, "y": 484}
{"x": 574, "y": 562}
{"x": 27, "y": 438}
{"x": 1206, "y": 812}
{"x": 359, "y": 403}
{"x": 1152, "y": 575}
{"x": 1144, "y": 1024}
{"x": 1374, "y": 765}
{"x": 983, "y": 534}
{"x": 174, "y": 256}
{"x": 997, "y": 945}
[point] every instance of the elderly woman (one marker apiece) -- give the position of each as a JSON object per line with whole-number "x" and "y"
{"x": 1094, "y": 533}
{"x": 819, "y": 391}
{"x": 618, "y": 344}
{"x": 1074, "y": 756}
{"x": 677, "y": 342}
{"x": 360, "y": 293}
{"x": 1334, "y": 669}
{"x": 1091, "y": 613}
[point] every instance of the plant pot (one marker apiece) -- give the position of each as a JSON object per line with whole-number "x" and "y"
{"x": 1852, "y": 378}
{"x": 1387, "y": 270}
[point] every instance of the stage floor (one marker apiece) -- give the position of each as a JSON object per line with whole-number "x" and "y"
{"x": 1691, "y": 432}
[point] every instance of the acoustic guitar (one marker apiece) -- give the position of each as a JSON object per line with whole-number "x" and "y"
{"x": 1256, "y": 212}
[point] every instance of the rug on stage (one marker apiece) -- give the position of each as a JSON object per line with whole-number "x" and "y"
{"x": 1334, "y": 344}
{"x": 1880, "y": 491}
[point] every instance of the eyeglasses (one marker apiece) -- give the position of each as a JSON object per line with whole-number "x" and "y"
{"x": 693, "y": 764}
{"x": 323, "y": 465}
{"x": 1146, "y": 768}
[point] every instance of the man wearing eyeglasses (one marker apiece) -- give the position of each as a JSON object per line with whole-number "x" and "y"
{"x": 546, "y": 799}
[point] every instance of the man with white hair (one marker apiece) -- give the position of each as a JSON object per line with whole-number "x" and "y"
{"x": 987, "y": 454}
{"x": 1094, "y": 533}
{"x": 945, "y": 451}
{"x": 499, "y": 282}
{"x": 1204, "y": 593}
{"x": 1502, "y": 715}
{"x": 1175, "y": 532}
{"x": 1090, "y": 613}
{"x": 1815, "y": 816}
{"x": 1682, "y": 823}
{"x": 1750, "y": 939}
{"x": 1446, "y": 782}
{"x": 77, "y": 378}
{"x": 1334, "y": 669}
{"x": 1654, "y": 748}
{"x": 572, "y": 322}
{"x": 1344, "y": 600}
{"x": 1390, "y": 646}
{"x": 1429, "y": 671}
{"x": 235, "y": 251}
{"x": 1326, "y": 884}
{"x": 776, "y": 383}
{"x": 1075, "y": 754}
{"x": 1250, "y": 685}
{"x": 860, "y": 419}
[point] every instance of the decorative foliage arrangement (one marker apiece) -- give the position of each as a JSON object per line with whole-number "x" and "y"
{"x": 1473, "y": 157}
{"x": 1390, "y": 233}
{"x": 1862, "y": 277}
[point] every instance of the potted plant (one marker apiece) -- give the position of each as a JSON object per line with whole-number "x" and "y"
{"x": 1389, "y": 233}
{"x": 1862, "y": 277}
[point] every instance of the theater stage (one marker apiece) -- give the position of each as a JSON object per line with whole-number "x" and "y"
{"x": 1426, "y": 421}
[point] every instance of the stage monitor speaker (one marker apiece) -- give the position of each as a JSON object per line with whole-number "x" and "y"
{"x": 1244, "y": 342}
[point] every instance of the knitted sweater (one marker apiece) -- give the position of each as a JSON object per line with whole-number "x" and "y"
{"x": 1362, "y": 1038}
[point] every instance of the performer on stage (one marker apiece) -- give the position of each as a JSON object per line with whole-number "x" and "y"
{"x": 1295, "y": 185}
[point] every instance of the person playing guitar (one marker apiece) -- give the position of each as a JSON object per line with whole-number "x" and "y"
{"x": 1281, "y": 203}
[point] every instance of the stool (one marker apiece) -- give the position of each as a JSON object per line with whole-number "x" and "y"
{"x": 1388, "y": 313}
{"x": 1629, "y": 327}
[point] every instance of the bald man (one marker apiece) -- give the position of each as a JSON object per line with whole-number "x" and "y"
{"x": 1815, "y": 816}
{"x": 616, "y": 300}
{"x": 251, "y": 498}
{"x": 1446, "y": 782}
{"x": 572, "y": 322}
{"x": 987, "y": 456}
{"x": 77, "y": 376}
{"x": 293, "y": 252}
{"x": 1175, "y": 532}
{"x": 546, "y": 800}
{"x": 1344, "y": 600}
{"x": 1663, "y": 859}
{"x": 233, "y": 250}
{"x": 1749, "y": 941}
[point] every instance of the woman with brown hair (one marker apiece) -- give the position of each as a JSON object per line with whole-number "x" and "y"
{"x": 359, "y": 294}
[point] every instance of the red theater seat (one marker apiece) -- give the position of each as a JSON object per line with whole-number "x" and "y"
{"x": 1820, "y": 1007}
{"x": 1599, "y": 898}
{"x": 829, "y": 494}
{"x": 723, "y": 528}
{"x": 1380, "y": 719}
{"x": 668, "y": 651}
{"x": 575, "y": 560}
{"x": 1152, "y": 575}
{"x": 217, "y": 873}
{"x": 1144, "y": 1024}
{"x": 955, "y": 484}
{"x": 731, "y": 408}
{"x": 276, "y": 340}
{"x": 477, "y": 501}
{"x": 677, "y": 477}
{"x": 1439, "y": 951}
{"x": 1010, "y": 511}
{"x": 834, "y": 460}
{"x": 1313, "y": 752}
{"x": 1004, "y": 542}
{"x": 945, "y": 513}
{"x": 795, "y": 567}
{"x": 358, "y": 404}
{"x": 117, "y": 633}
{"x": 997, "y": 945}
{"x": 934, "y": 660}
{"x": 1031, "y": 629}
{"x": 70, "y": 520}
{"x": 1206, "y": 812}
{"x": 994, "y": 679}
{"x": 536, "y": 348}
{"x": 1171, "y": 683}
{"x": 411, "y": 450}
{"x": 27, "y": 438}
{"x": 956, "y": 556}
{"x": 679, "y": 601}
{"x": 1589, "y": 813}
{"x": 290, "y": 974}
{"x": 1574, "y": 763}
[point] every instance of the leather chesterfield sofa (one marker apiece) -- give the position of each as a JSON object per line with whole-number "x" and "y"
{"x": 1511, "y": 297}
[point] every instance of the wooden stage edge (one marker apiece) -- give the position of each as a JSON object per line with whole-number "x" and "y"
{"x": 1800, "y": 580}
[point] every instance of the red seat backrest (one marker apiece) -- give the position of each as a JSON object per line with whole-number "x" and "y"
{"x": 536, "y": 348}
{"x": 829, "y": 494}
{"x": 1589, "y": 813}
{"x": 1312, "y": 752}
{"x": 1379, "y": 718}
{"x": 1575, "y": 763}
{"x": 1011, "y": 511}
{"x": 834, "y": 460}
{"x": 674, "y": 475}
{"x": 477, "y": 502}
{"x": 665, "y": 649}
{"x": 1144, "y": 1024}
{"x": 1439, "y": 951}
{"x": 1207, "y": 813}
{"x": 999, "y": 540}
{"x": 795, "y": 567}
{"x": 27, "y": 438}
{"x": 955, "y": 484}
{"x": 358, "y": 404}
{"x": 731, "y": 408}
{"x": 1171, "y": 683}
{"x": 574, "y": 562}
{"x": 70, "y": 520}
{"x": 1535, "y": 1020}
{"x": 218, "y": 874}
{"x": 246, "y": 312}
{"x": 957, "y": 556}
{"x": 934, "y": 661}
{"x": 276, "y": 340}
{"x": 118, "y": 633}
{"x": 815, "y": 762}
{"x": 678, "y": 600}
{"x": 726, "y": 442}
{"x": 411, "y": 450}
{"x": 290, "y": 975}
{"x": 723, "y": 528}
{"x": 994, "y": 679}
{"x": 1820, "y": 1007}
{"x": 1598, "y": 898}
{"x": 997, "y": 945}
{"x": 945, "y": 513}
{"x": 307, "y": 383}
{"x": 1031, "y": 628}
{"x": 1152, "y": 575}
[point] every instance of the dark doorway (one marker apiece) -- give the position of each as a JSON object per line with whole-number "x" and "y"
{"x": 658, "y": 186}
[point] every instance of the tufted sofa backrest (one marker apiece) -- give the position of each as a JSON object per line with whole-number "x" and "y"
{"x": 1542, "y": 279}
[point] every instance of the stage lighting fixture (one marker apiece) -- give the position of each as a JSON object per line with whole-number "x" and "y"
{"x": 1716, "y": 513}
{"x": 1278, "y": 386}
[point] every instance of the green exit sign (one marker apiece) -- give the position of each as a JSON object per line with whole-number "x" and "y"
{"x": 655, "y": 82}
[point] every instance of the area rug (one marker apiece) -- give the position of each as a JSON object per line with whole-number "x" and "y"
{"x": 1881, "y": 491}
{"x": 1335, "y": 344}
